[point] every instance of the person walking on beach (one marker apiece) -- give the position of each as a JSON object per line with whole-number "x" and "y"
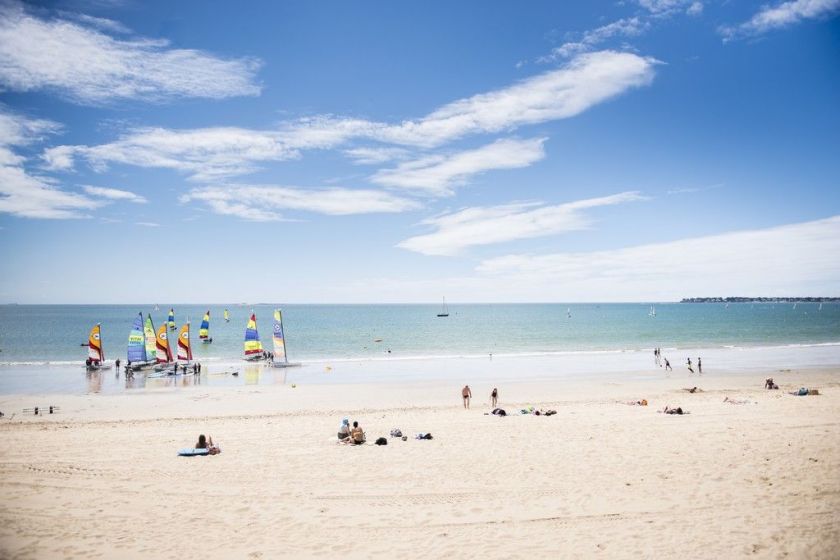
{"x": 699, "y": 365}
{"x": 466, "y": 394}
{"x": 689, "y": 365}
{"x": 494, "y": 397}
{"x": 656, "y": 356}
{"x": 668, "y": 365}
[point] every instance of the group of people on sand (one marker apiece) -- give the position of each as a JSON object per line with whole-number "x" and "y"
{"x": 351, "y": 435}
{"x": 662, "y": 361}
{"x": 466, "y": 395}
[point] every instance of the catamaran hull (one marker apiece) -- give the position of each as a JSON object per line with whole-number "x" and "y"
{"x": 206, "y": 340}
{"x": 286, "y": 364}
{"x": 98, "y": 368}
{"x": 257, "y": 358}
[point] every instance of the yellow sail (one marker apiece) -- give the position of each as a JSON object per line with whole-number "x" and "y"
{"x": 95, "y": 352}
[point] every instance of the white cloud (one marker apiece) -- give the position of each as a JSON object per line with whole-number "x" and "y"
{"x": 80, "y": 61}
{"x": 114, "y": 194}
{"x": 777, "y": 261}
{"x": 497, "y": 224}
{"x": 148, "y": 224}
{"x": 262, "y": 203}
{"x": 669, "y": 7}
{"x": 214, "y": 153}
{"x": 695, "y": 9}
{"x": 26, "y": 195}
{"x": 437, "y": 175}
{"x": 625, "y": 27}
{"x": 781, "y": 15}
{"x": 375, "y": 155}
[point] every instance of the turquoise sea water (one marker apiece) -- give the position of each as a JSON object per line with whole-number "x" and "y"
{"x": 53, "y": 333}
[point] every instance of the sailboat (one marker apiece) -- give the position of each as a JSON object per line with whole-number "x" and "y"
{"x": 820, "y": 307}
{"x": 137, "y": 356}
{"x": 171, "y": 319}
{"x": 280, "y": 357}
{"x": 164, "y": 351}
{"x": 204, "y": 329}
{"x": 444, "y": 311}
{"x": 227, "y": 316}
{"x": 151, "y": 339}
{"x": 652, "y": 312}
{"x": 253, "y": 346}
{"x": 184, "y": 346}
{"x": 96, "y": 355}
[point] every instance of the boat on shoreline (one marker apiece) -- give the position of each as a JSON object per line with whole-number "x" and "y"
{"x": 280, "y": 359}
{"x": 137, "y": 356}
{"x": 253, "y": 347}
{"x": 96, "y": 355}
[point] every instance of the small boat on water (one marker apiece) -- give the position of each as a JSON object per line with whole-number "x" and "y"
{"x": 171, "y": 319}
{"x": 280, "y": 358}
{"x": 204, "y": 329}
{"x": 253, "y": 346}
{"x": 444, "y": 311}
{"x": 652, "y": 312}
{"x": 227, "y": 316}
{"x": 96, "y": 355}
{"x": 138, "y": 354}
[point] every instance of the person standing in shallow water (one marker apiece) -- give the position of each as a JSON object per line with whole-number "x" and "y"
{"x": 668, "y": 365}
{"x": 699, "y": 365}
{"x": 466, "y": 394}
{"x": 494, "y": 397}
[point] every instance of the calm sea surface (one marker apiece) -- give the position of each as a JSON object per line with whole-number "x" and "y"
{"x": 53, "y": 333}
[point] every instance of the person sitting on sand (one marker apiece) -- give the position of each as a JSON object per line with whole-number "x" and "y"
{"x": 344, "y": 431}
{"x": 669, "y": 410}
{"x": 693, "y": 390}
{"x": 207, "y": 443}
{"x": 770, "y": 384}
{"x": 357, "y": 434}
{"x": 642, "y": 402}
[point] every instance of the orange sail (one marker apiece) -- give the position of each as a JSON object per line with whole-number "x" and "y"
{"x": 184, "y": 347}
{"x": 164, "y": 352}
{"x": 95, "y": 352}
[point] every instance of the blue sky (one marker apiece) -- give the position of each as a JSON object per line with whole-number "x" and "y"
{"x": 390, "y": 152}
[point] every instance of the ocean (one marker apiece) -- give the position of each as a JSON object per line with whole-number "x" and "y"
{"x": 51, "y": 335}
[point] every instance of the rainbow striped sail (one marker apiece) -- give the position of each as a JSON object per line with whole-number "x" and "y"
{"x": 184, "y": 347}
{"x": 253, "y": 346}
{"x": 171, "y": 319}
{"x": 151, "y": 340}
{"x": 137, "y": 341}
{"x": 279, "y": 339}
{"x": 164, "y": 352}
{"x": 204, "y": 329}
{"x": 95, "y": 351}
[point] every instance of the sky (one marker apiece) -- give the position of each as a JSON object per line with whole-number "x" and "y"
{"x": 383, "y": 152}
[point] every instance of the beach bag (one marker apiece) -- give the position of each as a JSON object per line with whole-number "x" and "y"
{"x": 381, "y": 441}
{"x": 396, "y": 432}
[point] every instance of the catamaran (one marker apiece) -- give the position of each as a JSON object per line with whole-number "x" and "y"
{"x": 184, "y": 346}
{"x": 164, "y": 352}
{"x": 171, "y": 319}
{"x": 253, "y": 346}
{"x": 96, "y": 355}
{"x": 204, "y": 329}
{"x": 444, "y": 311}
{"x": 652, "y": 312}
{"x": 227, "y": 316}
{"x": 137, "y": 355}
{"x": 280, "y": 357}
{"x": 151, "y": 339}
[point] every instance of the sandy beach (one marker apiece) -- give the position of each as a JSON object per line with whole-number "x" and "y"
{"x": 101, "y": 478}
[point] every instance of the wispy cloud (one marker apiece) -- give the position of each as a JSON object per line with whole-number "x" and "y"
{"x": 437, "y": 175}
{"x": 148, "y": 224}
{"x": 79, "y": 59}
{"x": 625, "y": 27}
{"x": 781, "y": 260}
{"x": 497, "y": 224}
{"x": 375, "y": 155}
{"x": 114, "y": 194}
{"x": 687, "y": 190}
{"x": 781, "y": 15}
{"x": 664, "y": 8}
{"x": 30, "y": 195}
{"x": 209, "y": 154}
{"x": 263, "y": 203}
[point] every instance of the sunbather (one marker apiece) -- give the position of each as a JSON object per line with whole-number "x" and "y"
{"x": 207, "y": 443}
{"x": 669, "y": 410}
{"x": 770, "y": 384}
{"x": 736, "y": 401}
{"x": 344, "y": 430}
{"x": 357, "y": 434}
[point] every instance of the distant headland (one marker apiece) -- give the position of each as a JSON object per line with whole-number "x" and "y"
{"x": 760, "y": 300}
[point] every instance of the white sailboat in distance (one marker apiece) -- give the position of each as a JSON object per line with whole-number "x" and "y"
{"x": 444, "y": 311}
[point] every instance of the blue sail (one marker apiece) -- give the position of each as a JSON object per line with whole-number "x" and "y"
{"x": 137, "y": 341}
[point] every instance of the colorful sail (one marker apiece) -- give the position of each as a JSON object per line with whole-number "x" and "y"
{"x": 95, "y": 351}
{"x": 227, "y": 316}
{"x": 171, "y": 319}
{"x": 164, "y": 352}
{"x": 151, "y": 340}
{"x": 204, "y": 329}
{"x": 279, "y": 338}
{"x": 253, "y": 346}
{"x": 184, "y": 347}
{"x": 137, "y": 341}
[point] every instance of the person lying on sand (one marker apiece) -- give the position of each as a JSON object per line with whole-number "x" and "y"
{"x": 737, "y": 401}
{"x": 770, "y": 384}
{"x": 803, "y": 392}
{"x": 642, "y": 402}
{"x": 693, "y": 389}
{"x": 344, "y": 430}
{"x": 669, "y": 410}
{"x": 207, "y": 443}
{"x": 357, "y": 434}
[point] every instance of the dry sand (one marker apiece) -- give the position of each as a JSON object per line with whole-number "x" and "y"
{"x": 600, "y": 479}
